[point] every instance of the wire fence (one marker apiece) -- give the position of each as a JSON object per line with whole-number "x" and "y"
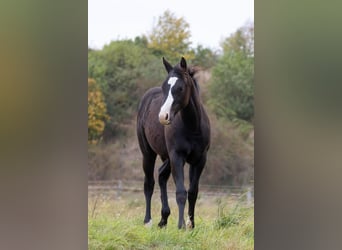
{"x": 117, "y": 188}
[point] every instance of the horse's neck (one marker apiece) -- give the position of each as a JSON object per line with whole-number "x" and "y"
{"x": 191, "y": 114}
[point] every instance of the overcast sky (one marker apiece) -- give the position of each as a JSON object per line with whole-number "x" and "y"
{"x": 210, "y": 21}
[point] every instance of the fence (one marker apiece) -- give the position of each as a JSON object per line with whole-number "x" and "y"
{"x": 119, "y": 187}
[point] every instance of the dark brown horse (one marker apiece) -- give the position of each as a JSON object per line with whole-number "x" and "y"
{"x": 173, "y": 124}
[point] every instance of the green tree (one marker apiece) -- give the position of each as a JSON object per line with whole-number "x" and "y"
{"x": 124, "y": 70}
{"x": 141, "y": 41}
{"x": 171, "y": 37}
{"x": 116, "y": 68}
{"x": 204, "y": 57}
{"x": 232, "y": 88}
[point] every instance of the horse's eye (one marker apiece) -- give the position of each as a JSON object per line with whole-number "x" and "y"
{"x": 180, "y": 89}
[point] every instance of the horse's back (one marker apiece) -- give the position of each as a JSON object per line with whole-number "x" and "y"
{"x": 151, "y": 94}
{"x": 150, "y": 131}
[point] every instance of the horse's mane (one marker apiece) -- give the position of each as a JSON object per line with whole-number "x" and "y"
{"x": 191, "y": 71}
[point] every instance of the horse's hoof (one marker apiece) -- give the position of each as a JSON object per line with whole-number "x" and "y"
{"x": 189, "y": 224}
{"x": 162, "y": 224}
{"x": 148, "y": 224}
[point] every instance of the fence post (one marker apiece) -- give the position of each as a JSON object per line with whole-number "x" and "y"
{"x": 119, "y": 189}
{"x": 249, "y": 196}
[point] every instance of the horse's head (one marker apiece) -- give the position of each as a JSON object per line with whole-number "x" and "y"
{"x": 176, "y": 90}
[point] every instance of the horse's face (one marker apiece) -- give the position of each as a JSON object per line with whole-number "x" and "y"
{"x": 176, "y": 91}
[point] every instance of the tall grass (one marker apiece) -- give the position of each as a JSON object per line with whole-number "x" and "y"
{"x": 117, "y": 224}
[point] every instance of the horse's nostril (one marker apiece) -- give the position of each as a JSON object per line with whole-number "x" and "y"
{"x": 166, "y": 116}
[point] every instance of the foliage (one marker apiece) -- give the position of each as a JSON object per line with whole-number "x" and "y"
{"x": 233, "y": 217}
{"x": 124, "y": 69}
{"x": 241, "y": 41}
{"x": 171, "y": 37}
{"x": 103, "y": 161}
{"x": 204, "y": 57}
{"x": 232, "y": 88}
{"x": 230, "y": 158}
{"x": 97, "y": 113}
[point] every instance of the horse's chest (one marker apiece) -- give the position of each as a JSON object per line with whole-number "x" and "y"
{"x": 186, "y": 143}
{"x": 197, "y": 147}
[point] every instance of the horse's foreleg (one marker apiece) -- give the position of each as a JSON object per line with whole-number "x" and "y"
{"x": 177, "y": 169}
{"x": 164, "y": 174}
{"x": 148, "y": 166}
{"x": 194, "y": 176}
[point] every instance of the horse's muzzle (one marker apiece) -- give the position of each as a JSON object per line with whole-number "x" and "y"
{"x": 164, "y": 119}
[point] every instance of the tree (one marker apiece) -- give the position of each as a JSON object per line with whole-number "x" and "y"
{"x": 242, "y": 41}
{"x": 141, "y": 41}
{"x": 204, "y": 57}
{"x": 171, "y": 37}
{"x": 97, "y": 113}
{"x": 124, "y": 70}
{"x": 232, "y": 88}
{"x": 116, "y": 68}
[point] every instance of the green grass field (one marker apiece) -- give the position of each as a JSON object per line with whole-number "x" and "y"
{"x": 117, "y": 223}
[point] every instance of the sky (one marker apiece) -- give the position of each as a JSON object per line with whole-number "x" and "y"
{"x": 210, "y": 21}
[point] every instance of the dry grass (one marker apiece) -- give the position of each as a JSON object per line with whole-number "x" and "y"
{"x": 230, "y": 157}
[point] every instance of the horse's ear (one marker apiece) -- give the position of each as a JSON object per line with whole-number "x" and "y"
{"x": 183, "y": 63}
{"x": 167, "y": 65}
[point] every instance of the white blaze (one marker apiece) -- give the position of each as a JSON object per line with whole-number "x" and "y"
{"x": 165, "y": 109}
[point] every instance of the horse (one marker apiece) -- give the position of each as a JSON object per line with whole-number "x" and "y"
{"x": 172, "y": 123}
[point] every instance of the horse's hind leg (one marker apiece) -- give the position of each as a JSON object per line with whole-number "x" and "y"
{"x": 164, "y": 174}
{"x": 148, "y": 166}
{"x": 195, "y": 172}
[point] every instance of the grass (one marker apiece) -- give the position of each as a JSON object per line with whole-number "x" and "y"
{"x": 221, "y": 223}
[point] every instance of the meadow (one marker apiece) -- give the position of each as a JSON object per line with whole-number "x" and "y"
{"x": 115, "y": 221}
